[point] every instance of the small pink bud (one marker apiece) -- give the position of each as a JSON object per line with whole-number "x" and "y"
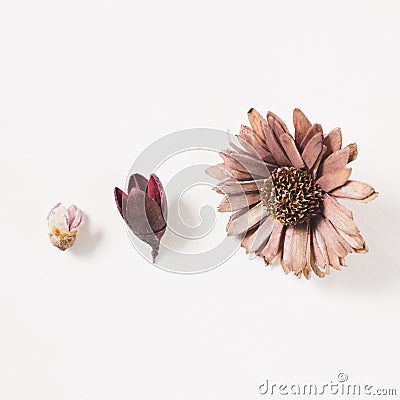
{"x": 64, "y": 225}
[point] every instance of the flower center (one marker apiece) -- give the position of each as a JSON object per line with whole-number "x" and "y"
{"x": 291, "y": 196}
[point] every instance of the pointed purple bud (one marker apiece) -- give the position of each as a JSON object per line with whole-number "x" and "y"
{"x": 143, "y": 209}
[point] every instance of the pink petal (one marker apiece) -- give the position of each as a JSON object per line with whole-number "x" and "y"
{"x": 153, "y": 190}
{"x": 77, "y": 220}
{"x": 58, "y": 218}
{"x": 156, "y": 190}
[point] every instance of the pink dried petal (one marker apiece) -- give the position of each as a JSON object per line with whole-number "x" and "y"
{"x": 58, "y": 218}
{"x": 77, "y": 220}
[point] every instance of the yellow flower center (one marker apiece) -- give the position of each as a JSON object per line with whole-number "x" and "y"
{"x": 291, "y": 196}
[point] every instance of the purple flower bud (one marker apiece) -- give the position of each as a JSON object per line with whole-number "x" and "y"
{"x": 144, "y": 209}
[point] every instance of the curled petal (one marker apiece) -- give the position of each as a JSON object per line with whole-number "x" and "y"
{"x": 355, "y": 190}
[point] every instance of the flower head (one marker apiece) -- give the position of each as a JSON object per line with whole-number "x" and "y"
{"x": 64, "y": 225}
{"x": 144, "y": 209}
{"x": 285, "y": 192}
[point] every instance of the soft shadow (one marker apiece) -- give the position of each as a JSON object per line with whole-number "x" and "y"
{"x": 87, "y": 240}
{"x": 379, "y": 269}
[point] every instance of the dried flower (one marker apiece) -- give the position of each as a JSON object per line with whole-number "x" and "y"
{"x": 144, "y": 209}
{"x": 284, "y": 191}
{"x": 64, "y": 225}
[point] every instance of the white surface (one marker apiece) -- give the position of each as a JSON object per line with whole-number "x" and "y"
{"x": 84, "y": 87}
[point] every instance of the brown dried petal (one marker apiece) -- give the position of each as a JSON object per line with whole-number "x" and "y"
{"x": 315, "y": 129}
{"x": 301, "y": 125}
{"x": 276, "y": 124}
{"x": 256, "y": 119}
{"x": 290, "y": 148}
{"x": 341, "y": 220}
{"x": 336, "y": 160}
{"x": 353, "y": 152}
{"x": 288, "y": 260}
{"x": 238, "y": 201}
{"x": 299, "y": 247}
{"x": 333, "y": 141}
{"x": 273, "y": 245}
{"x": 334, "y": 179}
{"x": 276, "y": 150}
{"x": 259, "y": 237}
{"x": 231, "y": 186}
{"x": 312, "y": 150}
{"x": 241, "y": 222}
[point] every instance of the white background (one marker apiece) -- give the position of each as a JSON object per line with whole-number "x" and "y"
{"x": 85, "y": 86}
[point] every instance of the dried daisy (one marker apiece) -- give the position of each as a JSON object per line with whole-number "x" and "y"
{"x": 285, "y": 193}
{"x": 144, "y": 209}
{"x": 64, "y": 224}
